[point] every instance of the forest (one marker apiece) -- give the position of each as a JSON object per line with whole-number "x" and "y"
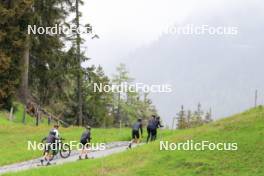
{"x": 44, "y": 71}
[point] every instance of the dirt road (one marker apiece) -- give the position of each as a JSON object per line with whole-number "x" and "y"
{"x": 111, "y": 148}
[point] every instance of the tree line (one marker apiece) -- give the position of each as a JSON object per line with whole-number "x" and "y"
{"x": 46, "y": 69}
{"x": 189, "y": 119}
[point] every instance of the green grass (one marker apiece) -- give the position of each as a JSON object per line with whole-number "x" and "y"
{"x": 18, "y": 115}
{"x": 14, "y": 138}
{"x": 246, "y": 129}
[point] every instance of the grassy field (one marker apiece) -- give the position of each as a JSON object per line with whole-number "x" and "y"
{"x": 18, "y": 114}
{"x": 245, "y": 129}
{"x": 14, "y": 137}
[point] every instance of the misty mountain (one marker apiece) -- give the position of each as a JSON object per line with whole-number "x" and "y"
{"x": 220, "y": 71}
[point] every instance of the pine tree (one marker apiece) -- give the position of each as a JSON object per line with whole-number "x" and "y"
{"x": 14, "y": 15}
{"x": 97, "y": 104}
{"x": 129, "y": 105}
{"x": 79, "y": 74}
{"x": 49, "y": 64}
{"x": 121, "y": 78}
{"x": 80, "y": 58}
{"x": 198, "y": 116}
{"x": 208, "y": 116}
{"x": 181, "y": 119}
{"x": 189, "y": 119}
{"x": 146, "y": 108}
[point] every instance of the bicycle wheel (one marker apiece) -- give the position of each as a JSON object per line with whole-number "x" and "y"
{"x": 65, "y": 151}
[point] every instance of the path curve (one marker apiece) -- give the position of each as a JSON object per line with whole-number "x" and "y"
{"x": 111, "y": 148}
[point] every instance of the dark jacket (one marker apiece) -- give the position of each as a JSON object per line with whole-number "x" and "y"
{"x": 137, "y": 126}
{"x": 152, "y": 124}
{"x": 86, "y": 136}
{"x": 157, "y": 123}
{"x": 51, "y": 138}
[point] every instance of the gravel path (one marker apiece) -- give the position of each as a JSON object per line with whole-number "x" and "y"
{"x": 111, "y": 148}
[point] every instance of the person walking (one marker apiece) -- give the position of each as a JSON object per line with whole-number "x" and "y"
{"x": 151, "y": 127}
{"x": 85, "y": 141}
{"x": 137, "y": 132}
{"x": 157, "y": 125}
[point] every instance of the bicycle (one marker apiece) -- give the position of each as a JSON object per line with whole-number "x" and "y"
{"x": 63, "y": 149}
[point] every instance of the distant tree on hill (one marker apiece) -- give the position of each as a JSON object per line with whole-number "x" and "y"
{"x": 208, "y": 116}
{"x": 182, "y": 122}
{"x": 198, "y": 115}
{"x": 191, "y": 119}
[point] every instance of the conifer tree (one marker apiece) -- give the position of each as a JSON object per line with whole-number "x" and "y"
{"x": 14, "y": 16}
{"x": 181, "y": 123}
{"x": 208, "y": 116}
{"x": 198, "y": 116}
{"x": 189, "y": 119}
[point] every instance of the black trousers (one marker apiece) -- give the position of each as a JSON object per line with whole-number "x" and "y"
{"x": 135, "y": 134}
{"x": 152, "y": 134}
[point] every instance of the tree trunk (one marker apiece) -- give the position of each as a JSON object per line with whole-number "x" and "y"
{"x": 11, "y": 114}
{"x": 79, "y": 76}
{"x": 24, "y": 76}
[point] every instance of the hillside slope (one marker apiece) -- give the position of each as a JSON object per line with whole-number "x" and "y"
{"x": 14, "y": 138}
{"x": 245, "y": 129}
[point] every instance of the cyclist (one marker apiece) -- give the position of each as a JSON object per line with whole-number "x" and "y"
{"x": 55, "y": 129}
{"x": 49, "y": 146}
{"x": 85, "y": 141}
{"x": 137, "y": 131}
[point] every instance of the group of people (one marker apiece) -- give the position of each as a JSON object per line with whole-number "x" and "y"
{"x": 137, "y": 133}
{"x": 152, "y": 126}
{"x": 53, "y": 139}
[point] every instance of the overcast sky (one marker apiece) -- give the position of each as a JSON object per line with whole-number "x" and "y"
{"x": 133, "y": 28}
{"x": 125, "y": 25}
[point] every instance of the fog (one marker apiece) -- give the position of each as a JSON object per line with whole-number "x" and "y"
{"x": 221, "y": 72}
